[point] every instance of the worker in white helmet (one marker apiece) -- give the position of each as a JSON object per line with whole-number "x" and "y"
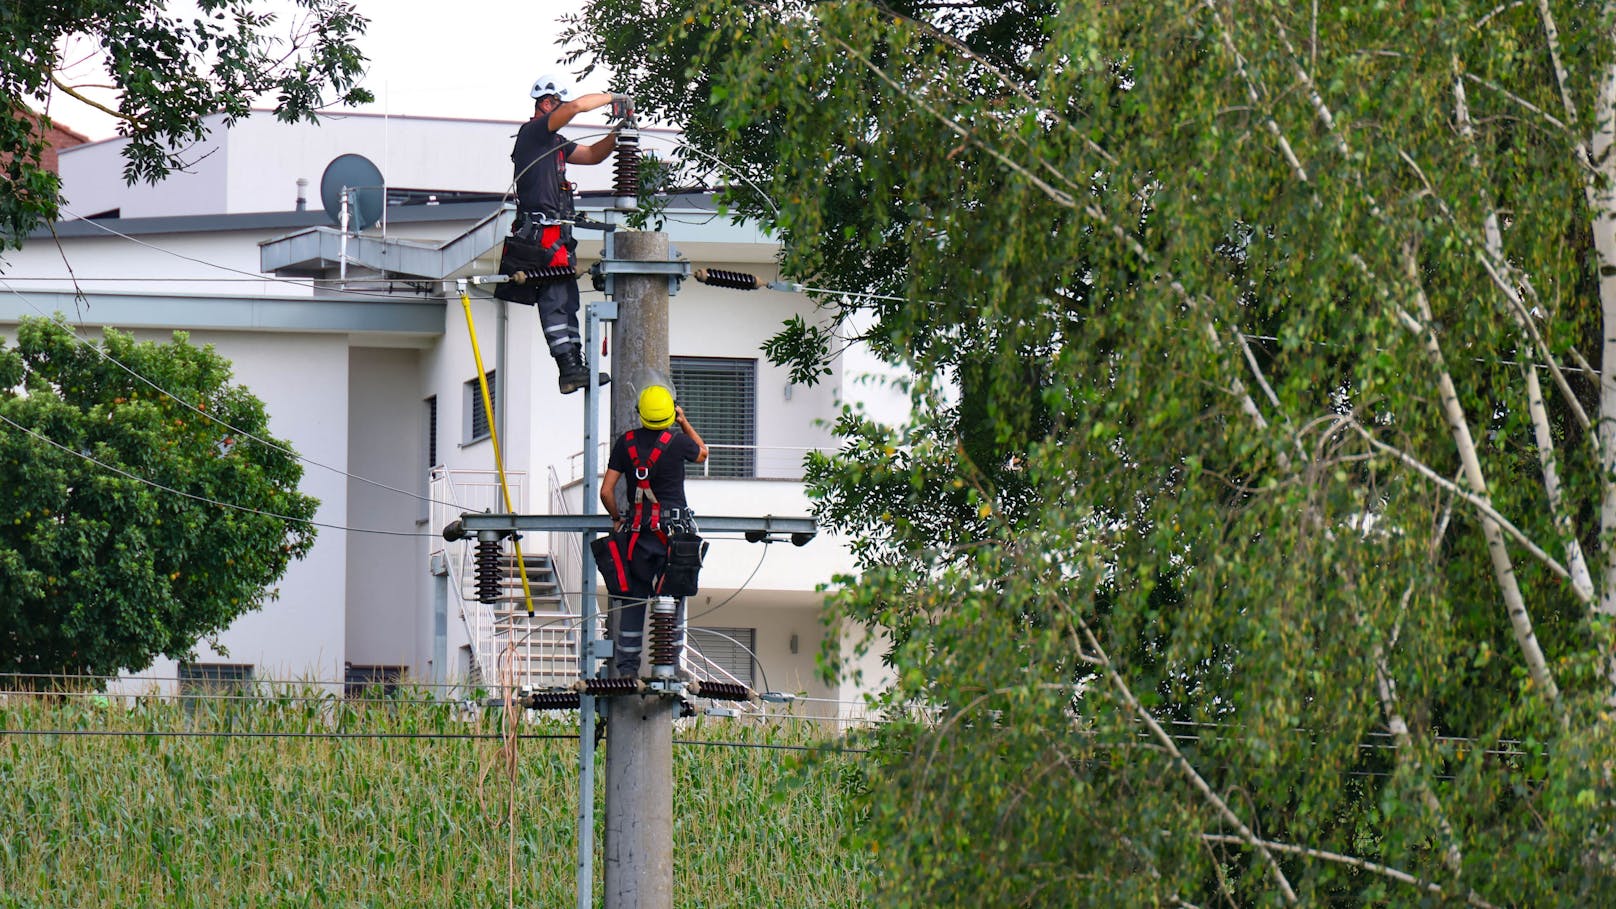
{"x": 543, "y": 228}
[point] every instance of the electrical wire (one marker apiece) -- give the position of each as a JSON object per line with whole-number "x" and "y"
{"x": 103, "y": 679}
{"x": 211, "y": 418}
{"x": 683, "y": 145}
{"x": 273, "y": 279}
{"x": 390, "y": 736}
{"x": 248, "y": 734}
{"x": 243, "y": 508}
{"x": 749, "y": 652}
{"x": 744, "y": 584}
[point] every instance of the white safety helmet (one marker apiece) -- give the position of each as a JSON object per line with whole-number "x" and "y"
{"x": 552, "y": 84}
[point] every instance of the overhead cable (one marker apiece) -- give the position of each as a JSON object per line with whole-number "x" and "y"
{"x": 204, "y": 499}
{"x": 211, "y": 418}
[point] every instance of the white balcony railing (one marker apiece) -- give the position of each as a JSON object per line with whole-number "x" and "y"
{"x": 730, "y": 462}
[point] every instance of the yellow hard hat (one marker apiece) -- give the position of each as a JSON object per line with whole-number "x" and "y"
{"x": 656, "y": 407}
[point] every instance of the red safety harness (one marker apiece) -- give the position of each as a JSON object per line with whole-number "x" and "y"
{"x": 642, "y": 489}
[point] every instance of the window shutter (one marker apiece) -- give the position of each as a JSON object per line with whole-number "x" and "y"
{"x": 733, "y": 656}
{"x": 720, "y": 397}
{"x": 477, "y": 414}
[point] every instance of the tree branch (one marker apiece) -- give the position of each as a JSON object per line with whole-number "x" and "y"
{"x": 1544, "y": 435}
{"x": 73, "y": 93}
{"x": 1480, "y": 503}
{"x": 1196, "y": 780}
{"x": 1459, "y": 428}
{"x": 1364, "y": 864}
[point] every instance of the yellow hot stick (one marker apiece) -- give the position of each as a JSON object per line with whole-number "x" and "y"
{"x": 499, "y": 462}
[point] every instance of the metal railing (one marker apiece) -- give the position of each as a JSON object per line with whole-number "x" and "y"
{"x": 453, "y": 493}
{"x": 568, "y": 547}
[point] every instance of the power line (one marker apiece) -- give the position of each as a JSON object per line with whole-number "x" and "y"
{"x": 744, "y": 584}
{"x": 387, "y": 736}
{"x": 274, "y": 279}
{"x": 207, "y": 416}
{"x": 155, "y": 485}
{"x": 248, "y": 734}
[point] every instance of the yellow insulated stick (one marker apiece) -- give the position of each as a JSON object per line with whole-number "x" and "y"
{"x": 499, "y": 462}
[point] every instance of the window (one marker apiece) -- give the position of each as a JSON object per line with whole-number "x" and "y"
{"x": 730, "y": 649}
{"x": 215, "y": 685}
{"x": 720, "y": 398}
{"x": 477, "y": 416}
{"x": 372, "y": 681}
{"x": 432, "y": 430}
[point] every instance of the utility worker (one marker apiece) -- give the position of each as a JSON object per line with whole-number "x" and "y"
{"x": 653, "y": 459}
{"x": 545, "y": 215}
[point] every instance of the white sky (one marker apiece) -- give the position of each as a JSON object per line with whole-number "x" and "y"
{"x": 462, "y": 58}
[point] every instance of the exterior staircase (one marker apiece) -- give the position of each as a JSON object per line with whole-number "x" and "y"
{"x": 541, "y": 649}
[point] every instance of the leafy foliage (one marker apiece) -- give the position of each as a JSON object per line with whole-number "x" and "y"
{"x": 170, "y": 73}
{"x": 100, "y": 569}
{"x": 1240, "y": 551}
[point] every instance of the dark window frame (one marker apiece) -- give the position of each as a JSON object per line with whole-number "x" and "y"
{"x": 719, "y": 395}
{"x": 476, "y": 414}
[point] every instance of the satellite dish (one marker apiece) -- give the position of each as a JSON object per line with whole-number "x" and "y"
{"x": 367, "y": 193}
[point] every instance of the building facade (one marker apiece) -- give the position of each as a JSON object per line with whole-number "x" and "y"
{"x": 360, "y": 349}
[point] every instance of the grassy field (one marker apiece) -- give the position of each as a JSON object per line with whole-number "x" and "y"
{"x": 403, "y": 810}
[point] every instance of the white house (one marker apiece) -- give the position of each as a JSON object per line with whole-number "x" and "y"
{"x": 367, "y": 368}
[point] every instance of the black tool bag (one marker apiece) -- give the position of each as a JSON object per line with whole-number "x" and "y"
{"x": 519, "y": 255}
{"x": 685, "y": 554}
{"x": 532, "y": 248}
{"x": 612, "y": 558}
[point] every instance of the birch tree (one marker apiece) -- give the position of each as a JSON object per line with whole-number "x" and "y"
{"x": 1265, "y": 552}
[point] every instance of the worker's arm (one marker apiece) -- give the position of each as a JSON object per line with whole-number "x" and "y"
{"x": 595, "y": 153}
{"x": 684, "y": 424}
{"x": 566, "y": 110}
{"x": 608, "y": 493}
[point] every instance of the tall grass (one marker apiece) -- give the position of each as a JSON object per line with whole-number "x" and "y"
{"x": 310, "y": 820}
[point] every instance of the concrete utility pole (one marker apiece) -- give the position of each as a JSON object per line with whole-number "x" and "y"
{"x": 639, "y": 729}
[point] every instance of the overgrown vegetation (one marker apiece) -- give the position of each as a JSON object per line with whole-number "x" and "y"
{"x": 307, "y": 800}
{"x": 1255, "y": 537}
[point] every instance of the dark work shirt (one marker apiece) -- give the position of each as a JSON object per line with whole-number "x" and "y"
{"x": 668, "y": 476}
{"x": 540, "y": 157}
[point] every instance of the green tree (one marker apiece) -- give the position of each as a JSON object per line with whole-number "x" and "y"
{"x": 170, "y": 72}
{"x": 137, "y": 522}
{"x": 1255, "y": 542}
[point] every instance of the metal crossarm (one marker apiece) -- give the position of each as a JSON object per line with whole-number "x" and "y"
{"x": 756, "y": 529}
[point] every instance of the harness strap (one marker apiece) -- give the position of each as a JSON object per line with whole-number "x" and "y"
{"x": 642, "y": 488}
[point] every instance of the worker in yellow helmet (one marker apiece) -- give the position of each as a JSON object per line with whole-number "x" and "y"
{"x": 652, "y": 512}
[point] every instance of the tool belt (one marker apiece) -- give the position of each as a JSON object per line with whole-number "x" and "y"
{"x": 536, "y": 243}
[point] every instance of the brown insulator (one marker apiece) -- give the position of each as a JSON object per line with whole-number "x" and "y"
{"x": 626, "y": 168}
{"x": 610, "y": 687}
{"x": 735, "y": 280}
{"x": 546, "y": 275}
{"x": 721, "y": 691}
{"x": 664, "y": 636}
{"x": 488, "y": 570}
{"x": 553, "y": 700}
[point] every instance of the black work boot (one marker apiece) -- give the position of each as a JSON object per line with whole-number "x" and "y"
{"x": 574, "y": 372}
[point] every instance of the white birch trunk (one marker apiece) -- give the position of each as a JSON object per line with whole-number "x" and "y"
{"x": 1603, "y": 218}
